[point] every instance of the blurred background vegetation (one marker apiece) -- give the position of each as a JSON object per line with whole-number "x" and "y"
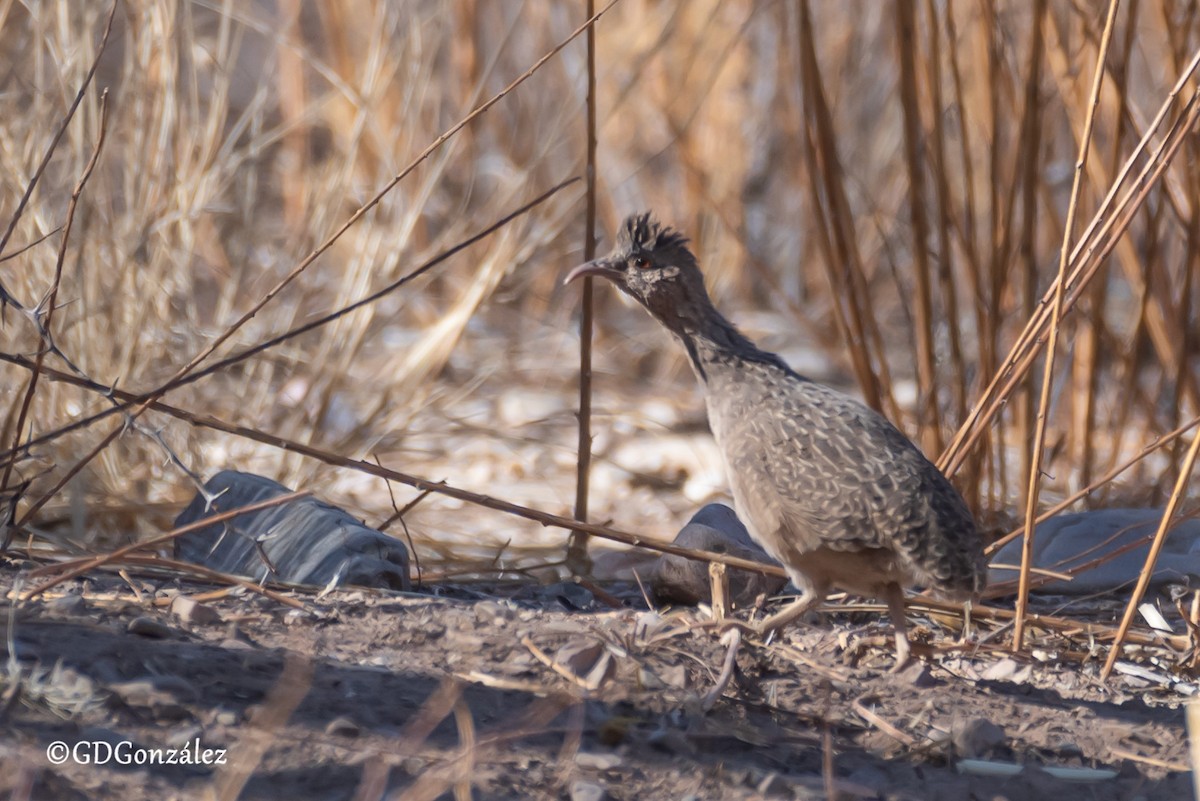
{"x": 875, "y": 190}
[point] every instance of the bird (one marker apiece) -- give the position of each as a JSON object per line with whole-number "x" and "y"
{"x": 827, "y": 486}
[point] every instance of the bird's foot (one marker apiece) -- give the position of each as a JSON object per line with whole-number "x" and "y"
{"x": 757, "y": 630}
{"x": 730, "y": 624}
{"x": 904, "y": 656}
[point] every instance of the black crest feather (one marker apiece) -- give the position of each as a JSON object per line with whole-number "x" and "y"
{"x": 643, "y": 232}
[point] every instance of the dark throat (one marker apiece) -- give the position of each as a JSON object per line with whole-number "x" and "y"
{"x": 712, "y": 342}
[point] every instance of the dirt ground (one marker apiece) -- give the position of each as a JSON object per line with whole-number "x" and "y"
{"x": 520, "y": 691}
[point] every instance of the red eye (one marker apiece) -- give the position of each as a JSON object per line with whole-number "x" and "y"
{"x": 641, "y": 263}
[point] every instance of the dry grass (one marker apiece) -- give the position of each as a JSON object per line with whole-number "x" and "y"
{"x": 886, "y": 186}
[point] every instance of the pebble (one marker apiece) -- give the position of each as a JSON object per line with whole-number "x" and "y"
{"x": 493, "y": 613}
{"x": 148, "y": 694}
{"x": 193, "y": 612}
{"x": 343, "y": 726}
{"x": 673, "y": 741}
{"x": 918, "y": 675}
{"x": 71, "y": 604}
{"x": 1001, "y": 670}
{"x": 597, "y": 761}
{"x": 572, "y": 596}
{"x": 149, "y": 627}
{"x": 587, "y": 791}
{"x": 675, "y": 676}
{"x": 975, "y": 737}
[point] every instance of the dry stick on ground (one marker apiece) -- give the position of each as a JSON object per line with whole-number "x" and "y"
{"x": 439, "y": 487}
{"x": 5, "y": 297}
{"x": 577, "y": 544}
{"x": 131, "y": 399}
{"x": 1105, "y": 226}
{"x": 1039, "y": 436}
{"x": 1160, "y": 536}
{"x": 1061, "y": 625}
{"x": 46, "y": 308}
{"x": 312, "y": 257}
{"x": 78, "y": 567}
{"x": 175, "y": 568}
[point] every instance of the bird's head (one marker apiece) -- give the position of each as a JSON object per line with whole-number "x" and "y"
{"x": 653, "y": 265}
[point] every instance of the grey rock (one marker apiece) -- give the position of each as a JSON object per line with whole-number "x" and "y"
{"x": 305, "y": 541}
{"x": 1066, "y": 541}
{"x": 716, "y": 527}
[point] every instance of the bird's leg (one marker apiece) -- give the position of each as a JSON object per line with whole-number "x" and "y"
{"x": 895, "y": 602}
{"x": 789, "y": 613}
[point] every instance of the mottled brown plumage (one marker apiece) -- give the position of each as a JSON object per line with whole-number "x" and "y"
{"x": 827, "y": 486}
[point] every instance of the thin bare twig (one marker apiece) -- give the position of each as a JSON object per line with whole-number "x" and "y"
{"x": 46, "y": 308}
{"x": 577, "y": 545}
{"x": 1039, "y": 437}
{"x": 5, "y": 297}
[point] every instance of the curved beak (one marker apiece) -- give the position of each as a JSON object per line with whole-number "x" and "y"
{"x": 599, "y": 268}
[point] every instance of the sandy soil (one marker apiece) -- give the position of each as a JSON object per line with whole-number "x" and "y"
{"x": 448, "y": 695}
